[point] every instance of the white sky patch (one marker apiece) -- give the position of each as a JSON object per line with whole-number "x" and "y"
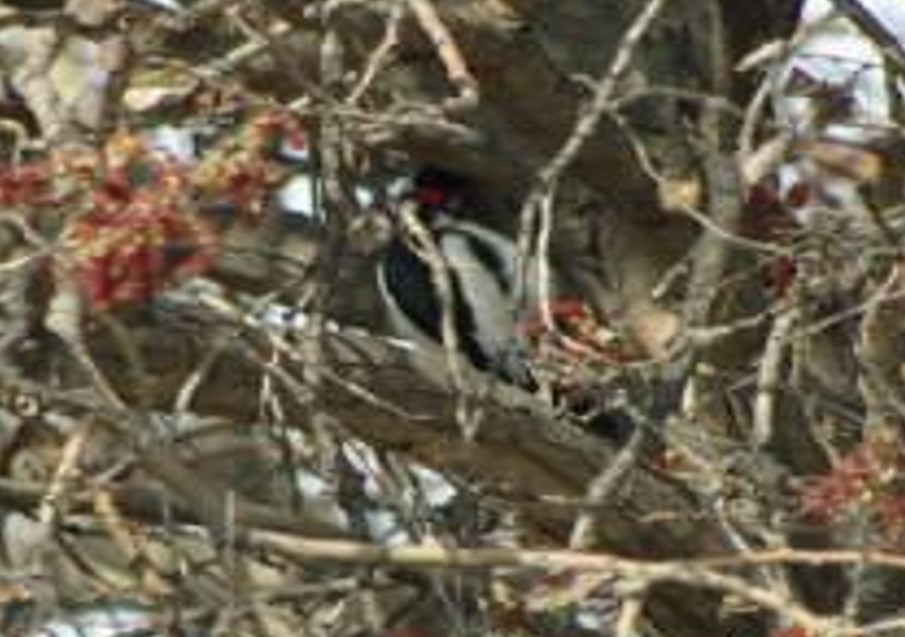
{"x": 312, "y": 484}
{"x": 298, "y": 197}
{"x": 176, "y": 142}
{"x": 384, "y": 527}
{"x": 169, "y": 5}
{"x": 319, "y": 499}
{"x": 364, "y": 197}
{"x": 437, "y": 490}
{"x": 839, "y": 56}
{"x": 14, "y": 45}
{"x": 891, "y": 13}
{"x": 110, "y": 622}
{"x": 384, "y": 524}
{"x": 400, "y": 187}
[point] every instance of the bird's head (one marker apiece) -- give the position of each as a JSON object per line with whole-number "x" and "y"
{"x": 435, "y": 191}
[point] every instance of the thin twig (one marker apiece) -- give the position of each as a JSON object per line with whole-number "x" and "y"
{"x": 449, "y": 53}
{"x": 66, "y": 471}
{"x": 604, "y": 487}
{"x": 378, "y": 58}
{"x": 584, "y": 129}
{"x": 768, "y": 378}
{"x": 700, "y": 573}
{"x": 630, "y": 615}
{"x": 427, "y": 249}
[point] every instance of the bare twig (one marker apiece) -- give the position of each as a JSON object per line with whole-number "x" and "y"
{"x": 881, "y": 350}
{"x": 699, "y": 573}
{"x": 630, "y": 615}
{"x": 66, "y": 471}
{"x": 32, "y": 81}
{"x": 601, "y": 103}
{"x": 768, "y": 379}
{"x": 126, "y": 540}
{"x": 246, "y": 52}
{"x": 449, "y": 53}
{"x": 378, "y": 58}
{"x": 428, "y": 250}
{"x": 604, "y": 487}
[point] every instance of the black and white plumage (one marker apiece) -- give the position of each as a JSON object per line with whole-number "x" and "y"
{"x": 482, "y": 271}
{"x": 482, "y": 266}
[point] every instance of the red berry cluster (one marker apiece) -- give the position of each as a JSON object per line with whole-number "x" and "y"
{"x": 576, "y": 336}
{"x": 866, "y": 482}
{"x": 130, "y": 217}
{"x": 239, "y": 173}
{"x": 31, "y": 184}
{"x": 139, "y": 232}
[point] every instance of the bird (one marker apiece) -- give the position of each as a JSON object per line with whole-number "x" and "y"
{"x": 482, "y": 267}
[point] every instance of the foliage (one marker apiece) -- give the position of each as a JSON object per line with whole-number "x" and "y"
{"x": 205, "y": 428}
